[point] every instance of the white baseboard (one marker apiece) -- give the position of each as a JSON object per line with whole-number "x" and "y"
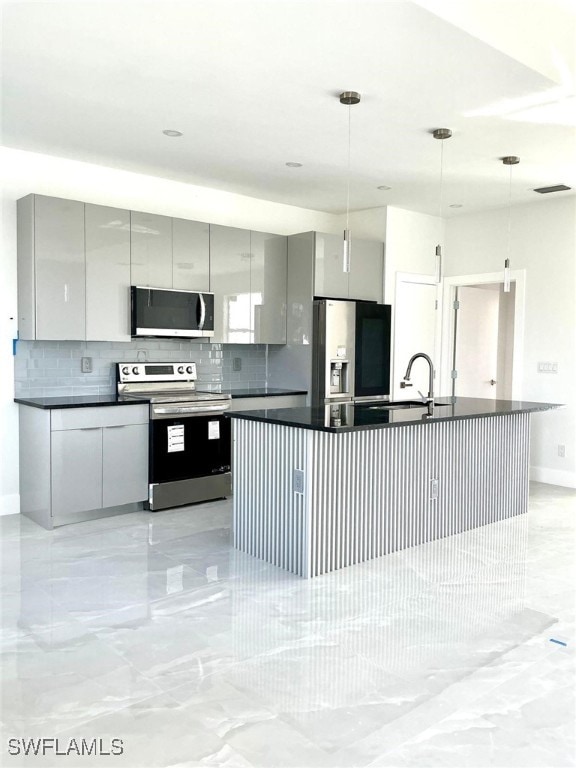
{"x": 10, "y": 504}
{"x": 553, "y": 476}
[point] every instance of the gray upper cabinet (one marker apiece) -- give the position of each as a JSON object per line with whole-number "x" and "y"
{"x": 230, "y": 258}
{"x": 366, "y": 278}
{"x": 190, "y": 255}
{"x": 151, "y": 250}
{"x": 107, "y": 273}
{"x": 268, "y": 268}
{"x": 51, "y": 268}
{"x": 329, "y": 277}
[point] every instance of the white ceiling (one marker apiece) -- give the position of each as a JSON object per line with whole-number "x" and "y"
{"x": 254, "y": 84}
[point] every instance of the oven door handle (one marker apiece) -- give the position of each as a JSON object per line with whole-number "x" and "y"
{"x": 193, "y": 410}
{"x": 202, "y": 312}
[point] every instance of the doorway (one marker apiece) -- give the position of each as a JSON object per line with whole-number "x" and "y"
{"x": 483, "y": 341}
{"x": 416, "y": 328}
{"x": 483, "y": 331}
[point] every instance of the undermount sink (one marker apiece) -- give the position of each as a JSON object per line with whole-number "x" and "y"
{"x": 396, "y": 404}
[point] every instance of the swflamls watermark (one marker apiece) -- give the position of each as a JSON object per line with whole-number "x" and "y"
{"x": 66, "y": 747}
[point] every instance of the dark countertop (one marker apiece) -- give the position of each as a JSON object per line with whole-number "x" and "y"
{"x": 353, "y": 418}
{"x": 254, "y": 391}
{"x": 77, "y": 401}
{"x": 90, "y": 401}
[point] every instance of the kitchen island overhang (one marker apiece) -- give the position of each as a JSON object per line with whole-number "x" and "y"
{"x": 318, "y": 489}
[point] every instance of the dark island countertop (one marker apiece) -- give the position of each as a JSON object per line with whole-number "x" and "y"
{"x": 78, "y": 401}
{"x": 347, "y": 417}
{"x": 254, "y": 391}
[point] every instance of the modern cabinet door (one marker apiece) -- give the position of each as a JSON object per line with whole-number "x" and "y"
{"x": 230, "y": 258}
{"x": 329, "y": 278}
{"x": 60, "y": 282}
{"x": 268, "y": 267}
{"x": 190, "y": 255}
{"x": 151, "y": 250}
{"x": 366, "y": 270}
{"x": 124, "y": 464}
{"x": 107, "y": 273}
{"x": 76, "y": 471}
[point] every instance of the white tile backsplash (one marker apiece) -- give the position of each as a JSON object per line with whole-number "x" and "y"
{"x": 52, "y": 368}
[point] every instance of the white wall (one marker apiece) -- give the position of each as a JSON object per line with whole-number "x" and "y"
{"x": 26, "y": 172}
{"x": 543, "y": 242}
{"x": 411, "y": 240}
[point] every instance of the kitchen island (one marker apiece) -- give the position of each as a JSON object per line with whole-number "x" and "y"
{"x": 317, "y": 489}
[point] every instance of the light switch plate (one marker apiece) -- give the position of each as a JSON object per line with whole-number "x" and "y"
{"x": 547, "y": 367}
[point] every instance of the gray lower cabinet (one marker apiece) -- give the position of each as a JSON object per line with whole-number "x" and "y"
{"x": 82, "y": 463}
{"x": 107, "y": 235}
{"x": 124, "y": 464}
{"x": 51, "y": 269}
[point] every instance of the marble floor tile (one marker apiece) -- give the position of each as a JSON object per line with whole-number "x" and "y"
{"x": 151, "y": 628}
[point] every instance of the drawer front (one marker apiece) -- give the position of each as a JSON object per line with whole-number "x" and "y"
{"x": 264, "y": 403}
{"x": 112, "y": 416}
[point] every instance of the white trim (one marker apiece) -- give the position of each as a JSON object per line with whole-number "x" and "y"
{"x": 416, "y": 277}
{"x": 553, "y": 476}
{"x": 10, "y": 504}
{"x": 517, "y": 276}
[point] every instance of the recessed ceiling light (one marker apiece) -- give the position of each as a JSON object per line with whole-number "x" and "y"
{"x": 294, "y": 165}
{"x": 384, "y": 188}
{"x": 172, "y": 133}
{"x": 455, "y": 205}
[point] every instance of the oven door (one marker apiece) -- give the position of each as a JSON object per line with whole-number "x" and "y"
{"x": 188, "y": 446}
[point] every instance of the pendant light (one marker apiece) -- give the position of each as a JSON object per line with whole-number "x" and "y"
{"x": 349, "y": 98}
{"x": 510, "y": 160}
{"x": 441, "y": 134}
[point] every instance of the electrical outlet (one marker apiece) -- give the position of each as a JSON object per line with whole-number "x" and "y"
{"x": 547, "y": 367}
{"x": 298, "y": 481}
{"x": 236, "y": 363}
{"x": 86, "y": 365}
{"x": 562, "y": 451}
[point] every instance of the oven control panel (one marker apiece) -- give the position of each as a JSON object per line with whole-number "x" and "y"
{"x": 150, "y": 372}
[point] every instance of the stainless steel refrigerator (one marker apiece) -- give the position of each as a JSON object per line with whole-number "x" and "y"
{"x": 351, "y": 351}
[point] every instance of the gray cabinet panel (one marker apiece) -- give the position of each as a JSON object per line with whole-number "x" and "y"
{"x": 366, "y": 270}
{"x": 76, "y": 471}
{"x": 190, "y": 255}
{"x": 125, "y": 464}
{"x": 268, "y": 268}
{"x": 230, "y": 282}
{"x": 60, "y": 268}
{"x": 26, "y": 269}
{"x": 151, "y": 250}
{"x": 107, "y": 273}
{"x": 329, "y": 277}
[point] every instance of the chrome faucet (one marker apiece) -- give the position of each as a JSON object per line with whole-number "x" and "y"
{"x": 430, "y": 399}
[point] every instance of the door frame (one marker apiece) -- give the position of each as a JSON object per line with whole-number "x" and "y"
{"x": 518, "y": 277}
{"x": 415, "y": 277}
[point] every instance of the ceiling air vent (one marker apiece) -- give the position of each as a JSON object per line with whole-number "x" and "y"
{"x": 555, "y": 188}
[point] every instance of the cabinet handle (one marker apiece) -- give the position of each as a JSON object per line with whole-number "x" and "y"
{"x": 116, "y": 426}
{"x": 88, "y": 429}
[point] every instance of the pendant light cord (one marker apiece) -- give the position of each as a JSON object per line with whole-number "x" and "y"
{"x": 509, "y": 212}
{"x": 349, "y": 166}
{"x": 441, "y": 187}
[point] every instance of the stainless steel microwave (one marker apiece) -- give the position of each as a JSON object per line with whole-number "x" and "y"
{"x": 168, "y": 312}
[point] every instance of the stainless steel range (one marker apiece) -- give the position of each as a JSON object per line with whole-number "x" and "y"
{"x": 189, "y": 433}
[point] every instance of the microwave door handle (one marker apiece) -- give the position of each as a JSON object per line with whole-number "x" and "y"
{"x": 202, "y": 312}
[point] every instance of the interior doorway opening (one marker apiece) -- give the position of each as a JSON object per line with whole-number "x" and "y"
{"x": 482, "y": 336}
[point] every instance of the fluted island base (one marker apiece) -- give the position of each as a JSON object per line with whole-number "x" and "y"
{"x": 314, "y": 501}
